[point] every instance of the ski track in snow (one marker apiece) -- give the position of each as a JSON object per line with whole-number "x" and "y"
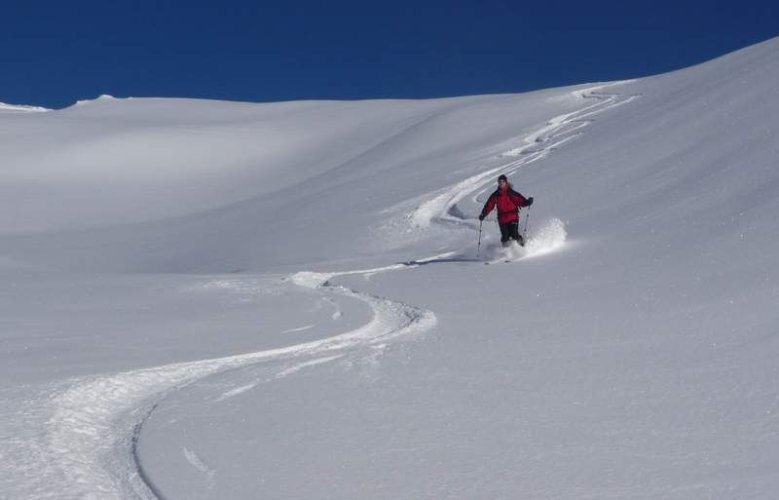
{"x": 443, "y": 208}
{"x": 90, "y": 436}
{"x": 197, "y": 462}
{"x": 91, "y": 424}
{"x": 299, "y": 329}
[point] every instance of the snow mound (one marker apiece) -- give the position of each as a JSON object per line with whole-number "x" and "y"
{"x": 100, "y": 98}
{"x": 310, "y": 279}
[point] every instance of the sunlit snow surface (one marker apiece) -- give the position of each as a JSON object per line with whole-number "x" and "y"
{"x": 204, "y": 299}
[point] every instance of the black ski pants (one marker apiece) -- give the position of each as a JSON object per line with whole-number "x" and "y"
{"x": 510, "y": 231}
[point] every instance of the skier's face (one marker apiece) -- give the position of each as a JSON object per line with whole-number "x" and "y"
{"x": 502, "y": 184}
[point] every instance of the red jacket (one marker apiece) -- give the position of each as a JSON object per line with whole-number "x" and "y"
{"x": 508, "y": 202}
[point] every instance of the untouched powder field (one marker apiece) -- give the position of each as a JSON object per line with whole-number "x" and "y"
{"x": 203, "y": 299}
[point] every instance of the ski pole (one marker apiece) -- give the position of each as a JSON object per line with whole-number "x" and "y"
{"x": 478, "y": 248}
{"x": 527, "y": 218}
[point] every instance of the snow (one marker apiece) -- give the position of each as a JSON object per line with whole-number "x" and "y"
{"x": 205, "y": 299}
{"x": 16, "y": 108}
{"x": 102, "y": 97}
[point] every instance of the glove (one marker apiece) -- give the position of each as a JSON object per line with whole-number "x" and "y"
{"x": 481, "y": 217}
{"x": 529, "y": 201}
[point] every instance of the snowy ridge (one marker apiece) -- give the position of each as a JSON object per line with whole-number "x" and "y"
{"x": 100, "y": 98}
{"x": 17, "y": 108}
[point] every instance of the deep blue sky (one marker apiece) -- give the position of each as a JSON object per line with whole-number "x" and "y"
{"x": 54, "y": 53}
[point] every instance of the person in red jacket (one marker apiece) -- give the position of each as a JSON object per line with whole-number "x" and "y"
{"x": 508, "y": 203}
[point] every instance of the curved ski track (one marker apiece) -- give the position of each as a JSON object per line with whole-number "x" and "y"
{"x": 442, "y": 208}
{"x": 92, "y": 423}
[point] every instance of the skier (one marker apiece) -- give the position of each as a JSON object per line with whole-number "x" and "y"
{"x": 508, "y": 203}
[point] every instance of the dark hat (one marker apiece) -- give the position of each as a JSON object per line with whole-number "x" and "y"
{"x": 502, "y": 178}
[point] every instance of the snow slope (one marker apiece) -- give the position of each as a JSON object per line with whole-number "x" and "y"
{"x": 229, "y": 300}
